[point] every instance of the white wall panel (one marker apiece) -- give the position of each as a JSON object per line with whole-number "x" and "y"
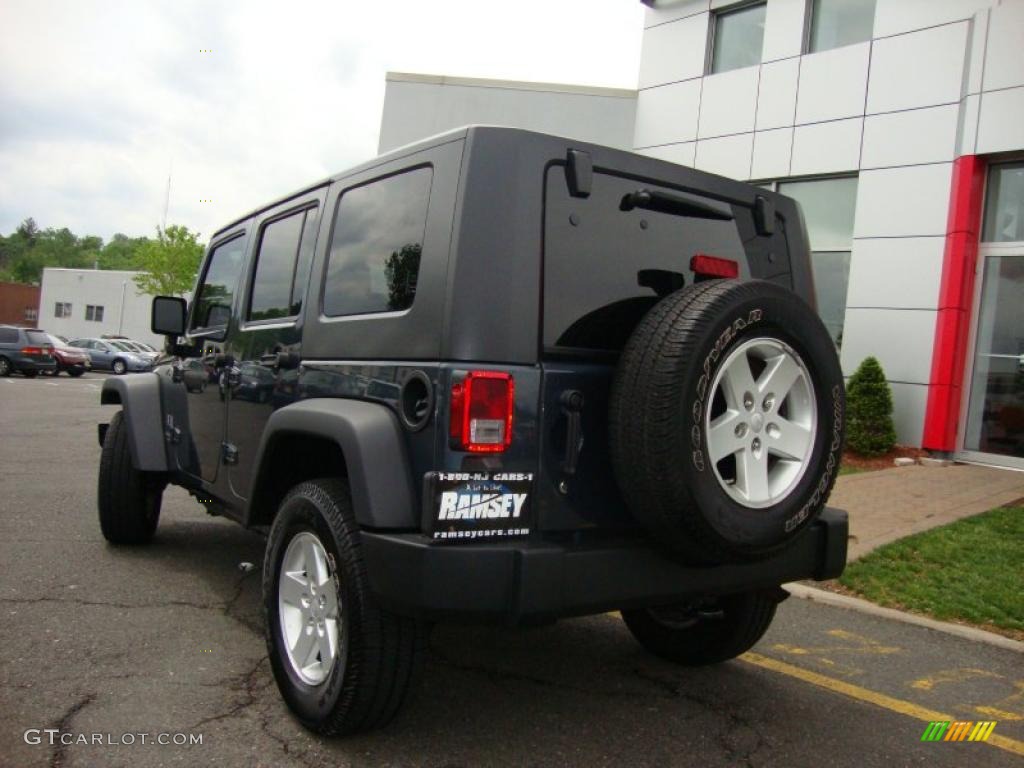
{"x": 667, "y": 10}
{"x": 667, "y": 114}
{"x": 674, "y": 51}
{"x": 728, "y": 103}
{"x": 912, "y": 137}
{"x": 901, "y": 339}
{"x": 909, "y": 403}
{"x": 674, "y": 153}
{"x": 832, "y": 84}
{"x": 776, "y": 97}
{"x": 771, "y": 154}
{"x": 826, "y": 147}
{"x": 900, "y": 202}
{"x": 1004, "y": 57}
{"x": 728, "y": 156}
{"x": 920, "y": 69}
{"x": 783, "y": 29}
{"x": 977, "y": 43}
{"x": 895, "y": 16}
{"x": 967, "y": 141}
{"x": 1001, "y": 122}
{"x": 899, "y": 272}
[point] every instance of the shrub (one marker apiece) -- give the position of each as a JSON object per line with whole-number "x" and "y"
{"x": 869, "y": 429}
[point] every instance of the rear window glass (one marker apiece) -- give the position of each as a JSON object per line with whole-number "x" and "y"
{"x": 8, "y": 335}
{"x": 37, "y": 337}
{"x": 605, "y": 267}
{"x": 374, "y": 262}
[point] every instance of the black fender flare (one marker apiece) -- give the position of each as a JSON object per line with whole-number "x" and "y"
{"x": 139, "y": 398}
{"x": 371, "y": 440}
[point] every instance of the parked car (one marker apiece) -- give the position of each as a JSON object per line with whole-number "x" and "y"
{"x": 73, "y": 360}
{"x": 611, "y": 391}
{"x": 256, "y": 382}
{"x": 104, "y": 354}
{"x": 28, "y": 351}
{"x": 135, "y": 348}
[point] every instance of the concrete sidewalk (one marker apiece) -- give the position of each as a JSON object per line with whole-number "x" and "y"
{"x": 889, "y": 504}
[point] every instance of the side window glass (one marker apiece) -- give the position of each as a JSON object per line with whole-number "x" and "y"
{"x": 215, "y": 296}
{"x": 275, "y": 268}
{"x": 305, "y": 259}
{"x": 376, "y": 245}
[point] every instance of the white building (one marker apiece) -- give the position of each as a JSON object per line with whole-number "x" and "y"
{"x": 80, "y": 303}
{"x": 899, "y": 126}
{"x": 416, "y": 106}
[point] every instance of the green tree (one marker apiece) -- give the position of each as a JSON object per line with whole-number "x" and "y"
{"x": 402, "y": 269}
{"x": 869, "y": 428}
{"x": 170, "y": 262}
{"x": 122, "y": 252}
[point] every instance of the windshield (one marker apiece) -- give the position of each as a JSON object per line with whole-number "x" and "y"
{"x": 120, "y": 345}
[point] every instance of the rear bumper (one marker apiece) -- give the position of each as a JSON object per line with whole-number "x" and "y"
{"x": 527, "y": 582}
{"x": 31, "y": 365}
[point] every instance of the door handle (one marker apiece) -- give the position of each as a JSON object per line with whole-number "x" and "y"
{"x": 280, "y": 360}
{"x": 572, "y": 406}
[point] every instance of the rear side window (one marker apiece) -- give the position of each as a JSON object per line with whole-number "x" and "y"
{"x": 605, "y": 267}
{"x": 8, "y": 336}
{"x": 376, "y": 245}
{"x": 282, "y": 266}
{"x": 216, "y": 294}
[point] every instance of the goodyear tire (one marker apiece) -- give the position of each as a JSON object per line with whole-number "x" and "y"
{"x": 342, "y": 663}
{"x": 129, "y": 500}
{"x": 726, "y": 420}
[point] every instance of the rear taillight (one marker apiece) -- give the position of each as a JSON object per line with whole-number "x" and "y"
{"x": 32, "y": 350}
{"x": 481, "y": 411}
{"x": 714, "y": 266}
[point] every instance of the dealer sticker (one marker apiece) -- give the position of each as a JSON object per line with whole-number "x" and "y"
{"x": 463, "y": 506}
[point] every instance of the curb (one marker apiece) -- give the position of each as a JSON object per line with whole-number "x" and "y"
{"x": 804, "y": 592}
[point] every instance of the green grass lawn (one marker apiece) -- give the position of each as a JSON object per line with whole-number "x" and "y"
{"x": 971, "y": 570}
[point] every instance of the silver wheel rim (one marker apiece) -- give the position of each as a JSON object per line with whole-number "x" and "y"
{"x": 118, "y": 367}
{"x": 308, "y": 609}
{"x": 760, "y": 422}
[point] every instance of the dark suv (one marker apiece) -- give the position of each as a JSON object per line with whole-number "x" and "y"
{"x": 28, "y": 351}
{"x": 509, "y": 378}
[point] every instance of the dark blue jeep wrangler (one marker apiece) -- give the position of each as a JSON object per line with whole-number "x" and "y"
{"x": 496, "y": 376}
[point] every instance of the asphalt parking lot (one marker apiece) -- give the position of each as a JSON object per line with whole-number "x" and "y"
{"x": 168, "y": 639}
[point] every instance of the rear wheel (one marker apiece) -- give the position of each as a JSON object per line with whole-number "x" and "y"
{"x": 5, "y": 366}
{"x": 129, "y": 500}
{"x": 75, "y": 372}
{"x": 342, "y": 663}
{"x": 703, "y": 632}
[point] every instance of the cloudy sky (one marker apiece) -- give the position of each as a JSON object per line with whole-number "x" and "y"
{"x": 100, "y": 100}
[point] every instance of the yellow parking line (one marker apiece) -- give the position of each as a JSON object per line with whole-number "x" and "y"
{"x": 872, "y": 697}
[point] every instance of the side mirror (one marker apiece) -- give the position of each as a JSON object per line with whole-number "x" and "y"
{"x": 168, "y": 316}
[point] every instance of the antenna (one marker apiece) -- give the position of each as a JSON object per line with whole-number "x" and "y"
{"x": 167, "y": 195}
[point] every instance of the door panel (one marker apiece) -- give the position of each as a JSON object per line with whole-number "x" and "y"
{"x": 995, "y": 417}
{"x": 267, "y": 346}
{"x": 203, "y": 374}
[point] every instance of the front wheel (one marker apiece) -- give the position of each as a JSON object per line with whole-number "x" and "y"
{"x": 5, "y": 366}
{"x": 704, "y": 632}
{"x": 129, "y": 500}
{"x": 342, "y": 663}
{"x": 119, "y": 367}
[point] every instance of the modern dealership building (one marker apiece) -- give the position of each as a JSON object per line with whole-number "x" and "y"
{"x": 897, "y": 124}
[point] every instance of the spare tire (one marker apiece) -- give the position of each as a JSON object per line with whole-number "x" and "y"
{"x": 726, "y": 420}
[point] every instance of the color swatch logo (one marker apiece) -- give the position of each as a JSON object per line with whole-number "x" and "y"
{"x": 960, "y": 730}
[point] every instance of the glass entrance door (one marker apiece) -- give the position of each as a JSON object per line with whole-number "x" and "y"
{"x": 995, "y": 413}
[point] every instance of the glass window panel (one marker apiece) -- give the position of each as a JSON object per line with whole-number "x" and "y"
{"x": 305, "y": 259}
{"x": 1004, "y": 209}
{"x": 835, "y": 23}
{"x": 995, "y": 419}
{"x": 828, "y": 206}
{"x": 739, "y": 38}
{"x": 831, "y": 279}
{"x": 275, "y": 266}
{"x": 375, "y": 249}
{"x": 216, "y": 295}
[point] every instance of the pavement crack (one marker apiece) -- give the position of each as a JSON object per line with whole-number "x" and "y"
{"x": 246, "y": 684}
{"x": 63, "y": 724}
